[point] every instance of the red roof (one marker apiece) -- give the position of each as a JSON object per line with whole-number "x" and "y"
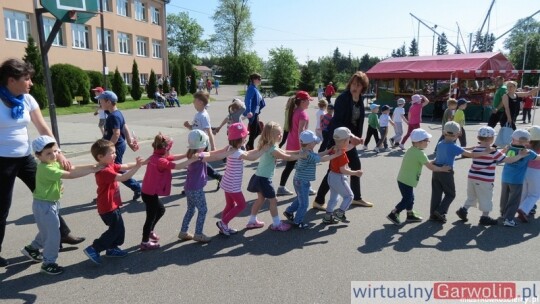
{"x": 444, "y": 67}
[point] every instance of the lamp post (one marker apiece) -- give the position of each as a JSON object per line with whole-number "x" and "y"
{"x": 433, "y": 41}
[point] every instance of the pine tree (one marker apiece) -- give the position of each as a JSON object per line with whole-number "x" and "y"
{"x": 175, "y": 77}
{"x": 307, "y": 81}
{"x": 182, "y": 75}
{"x": 442, "y": 45}
{"x": 413, "y": 49}
{"x": 136, "y": 92}
{"x": 118, "y": 86}
{"x": 152, "y": 85}
{"x": 193, "y": 83}
{"x": 33, "y": 56}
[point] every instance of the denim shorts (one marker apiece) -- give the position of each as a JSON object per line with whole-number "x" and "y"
{"x": 261, "y": 184}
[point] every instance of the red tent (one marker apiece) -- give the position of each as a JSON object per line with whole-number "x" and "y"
{"x": 467, "y": 66}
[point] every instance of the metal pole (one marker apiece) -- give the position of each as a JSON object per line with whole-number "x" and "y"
{"x": 103, "y": 54}
{"x": 433, "y": 42}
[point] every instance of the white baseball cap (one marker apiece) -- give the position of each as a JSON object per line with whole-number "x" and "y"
{"x": 197, "y": 139}
{"x": 521, "y": 134}
{"x": 419, "y": 135}
{"x": 535, "y": 132}
{"x": 342, "y": 133}
{"x": 486, "y": 132}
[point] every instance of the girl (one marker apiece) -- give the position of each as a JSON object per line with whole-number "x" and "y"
{"x": 232, "y": 179}
{"x": 236, "y": 109}
{"x": 298, "y": 119}
{"x": 261, "y": 181}
{"x": 531, "y": 185}
{"x": 290, "y": 104}
{"x": 418, "y": 102}
{"x": 196, "y": 178}
{"x": 157, "y": 181}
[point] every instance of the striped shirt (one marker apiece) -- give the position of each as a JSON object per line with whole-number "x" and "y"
{"x": 234, "y": 170}
{"x": 306, "y": 167}
{"x": 483, "y": 167}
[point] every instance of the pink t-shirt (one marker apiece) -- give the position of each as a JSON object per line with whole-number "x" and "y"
{"x": 158, "y": 175}
{"x": 293, "y": 140}
{"x": 415, "y": 114}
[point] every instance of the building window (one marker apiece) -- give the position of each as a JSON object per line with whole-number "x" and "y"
{"x": 16, "y": 25}
{"x": 156, "y": 48}
{"x": 124, "y": 43}
{"x": 143, "y": 78}
{"x": 127, "y": 78}
{"x": 106, "y": 6}
{"x": 108, "y": 39}
{"x": 48, "y": 24}
{"x": 142, "y": 46}
{"x": 155, "y": 15}
{"x": 79, "y": 33}
{"x": 140, "y": 10}
{"x": 122, "y": 8}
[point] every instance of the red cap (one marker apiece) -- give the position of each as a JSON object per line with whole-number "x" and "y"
{"x": 98, "y": 89}
{"x": 303, "y": 95}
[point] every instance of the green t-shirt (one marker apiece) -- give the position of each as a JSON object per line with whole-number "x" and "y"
{"x": 498, "y": 97}
{"x": 373, "y": 120}
{"x": 267, "y": 164}
{"x": 411, "y": 166}
{"x": 48, "y": 182}
{"x": 459, "y": 117}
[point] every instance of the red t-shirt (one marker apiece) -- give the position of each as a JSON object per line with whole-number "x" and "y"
{"x": 339, "y": 162}
{"x": 329, "y": 91}
{"x": 108, "y": 192}
{"x": 527, "y": 102}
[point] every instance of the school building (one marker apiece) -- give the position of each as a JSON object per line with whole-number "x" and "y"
{"x": 133, "y": 30}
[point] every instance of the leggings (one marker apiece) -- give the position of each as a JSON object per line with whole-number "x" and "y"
{"x": 195, "y": 199}
{"x": 234, "y": 204}
{"x": 409, "y": 131}
{"x": 154, "y": 212}
{"x": 289, "y": 166}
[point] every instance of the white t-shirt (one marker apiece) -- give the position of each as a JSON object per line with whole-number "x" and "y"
{"x": 14, "y": 141}
{"x": 318, "y": 118}
{"x": 398, "y": 111}
{"x": 383, "y": 120}
{"x": 201, "y": 121}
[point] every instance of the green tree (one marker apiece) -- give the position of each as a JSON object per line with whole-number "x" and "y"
{"x": 118, "y": 86}
{"x": 524, "y": 46}
{"x": 152, "y": 85}
{"x": 237, "y": 70}
{"x": 33, "y": 56}
{"x": 193, "y": 82}
{"x": 184, "y": 35}
{"x": 183, "y": 89}
{"x": 367, "y": 62}
{"x": 283, "y": 69}
{"x": 76, "y": 79}
{"x": 175, "y": 77}
{"x": 328, "y": 71}
{"x": 442, "y": 45}
{"x": 166, "y": 86}
{"x": 401, "y": 52}
{"x": 413, "y": 48}
{"x": 233, "y": 27}
{"x": 483, "y": 43}
{"x": 307, "y": 79}
{"x": 136, "y": 92}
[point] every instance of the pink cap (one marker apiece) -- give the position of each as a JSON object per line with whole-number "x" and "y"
{"x": 237, "y": 130}
{"x": 303, "y": 95}
{"x": 416, "y": 98}
{"x": 98, "y": 89}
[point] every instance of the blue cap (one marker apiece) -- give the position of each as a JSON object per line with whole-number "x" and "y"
{"x": 462, "y": 101}
{"x": 308, "y": 136}
{"x": 109, "y": 95}
{"x": 373, "y": 106}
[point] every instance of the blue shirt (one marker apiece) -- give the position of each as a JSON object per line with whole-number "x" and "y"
{"x": 514, "y": 173}
{"x": 306, "y": 167}
{"x": 447, "y": 152}
{"x": 254, "y": 101}
{"x": 115, "y": 120}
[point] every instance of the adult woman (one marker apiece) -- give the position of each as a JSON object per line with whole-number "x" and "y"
{"x": 254, "y": 104}
{"x": 17, "y": 110}
{"x": 511, "y": 102}
{"x": 348, "y": 112}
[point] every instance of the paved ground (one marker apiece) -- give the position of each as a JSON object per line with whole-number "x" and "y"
{"x": 258, "y": 266}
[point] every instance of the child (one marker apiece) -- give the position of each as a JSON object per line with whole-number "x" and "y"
{"x": 415, "y": 116}
{"x": 384, "y": 120}
{"x": 513, "y": 176}
{"x": 232, "y": 179}
{"x": 398, "y": 117}
{"x": 305, "y": 173}
{"x": 261, "y": 181}
{"x": 448, "y": 115}
{"x": 290, "y": 103}
{"x": 373, "y": 126}
{"x": 196, "y": 178}
{"x": 527, "y": 106}
{"x": 409, "y": 175}
{"x": 442, "y": 183}
{"x": 49, "y": 188}
{"x": 338, "y": 178}
{"x": 481, "y": 177}
{"x": 236, "y": 109}
{"x": 102, "y": 116}
{"x": 531, "y": 186}
{"x": 109, "y": 200}
{"x": 320, "y": 93}
{"x": 325, "y": 121}
{"x": 459, "y": 117}
{"x": 157, "y": 182}
{"x": 323, "y": 104}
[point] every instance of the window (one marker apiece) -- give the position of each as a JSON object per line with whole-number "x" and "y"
{"x": 122, "y": 8}
{"x": 106, "y": 6}
{"x": 16, "y": 25}
{"x": 140, "y": 10}
{"x": 143, "y": 78}
{"x": 48, "y": 24}
{"x": 156, "y": 49}
{"x": 108, "y": 39}
{"x": 124, "y": 43}
{"x": 155, "y": 15}
{"x": 142, "y": 46}
{"x": 79, "y": 33}
{"x": 127, "y": 78}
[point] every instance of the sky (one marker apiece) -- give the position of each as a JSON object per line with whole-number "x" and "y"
{"x": 314, "y": 28}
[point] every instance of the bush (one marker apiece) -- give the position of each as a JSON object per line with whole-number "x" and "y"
{"x": 118, "y": 86}
{"x": 40, "y": 94}
{"x": 96, "y": 80}
{"x": 72, "y": 78}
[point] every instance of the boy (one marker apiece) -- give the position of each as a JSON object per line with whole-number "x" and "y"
{"x": 117, "y": 132}
{"x": 398, "y": 117}
{"x": 109, "y": 201}
{"x": 459, "y": 117}
{"x": 49, "y": 175}
{"x": 442, "y": 183}
{"x": 304, "y": 174}
{"x": 409, "y": 175}
{"x": 482, "y": 175}
{"x": 513, "y": 176}
{"x": 323, "y": 104}
{"x": 384, "y": 120}
{"x": 373, "y": 125}
{"x": 325, "y": 121}
{"x": 448, "y": 115}
{"x": 201, "y": 121}
{"x": 338, "y": 178}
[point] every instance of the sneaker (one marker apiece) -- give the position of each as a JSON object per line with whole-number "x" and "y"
{"x": 201, "y": 238}
{"x": 154, "y": 236}
{"x": 364, "y": 148}
{"x": 115, "y": 253}
{"x": 283, "y": 191}
{"x": 136, "y": 195}
{"x": 402, "y": 147}
{"x": 281, "y": 227}
{"x": 255, "y": 225}
{"x": 92, "y": 254}
{"x": 413, "y": 217}
{"x": 533, "y": 211}
{"x": 392, "y": 141}
{"x": 185, "y": 236}
{"x": 329, "y": 219}
{"x": 289, "y": 216}
{"x": 433, "y": 218}
{"x": 376, "y": 150}
{"x": 394, "y": 218}
{"x": 522, "y": 216}
{"x": 487, "y": 221}
{"x": 148, "y": 246}
{"x": 440, "y": 217}
{"x": 312, "y": 191}
{"x": 509, "y": 223}
{"x": 301, "y": 225}
{"x": 318, "y": 206}
{"x": 232, "y": 230}
{"x": 222, "y": 228}
{"x": 51, "y": 269}
{"x": 340, "y": 215}
{"x": 462, "y": 213}
{"x": 362, "y": 203}
{"x": 32, "y": 254}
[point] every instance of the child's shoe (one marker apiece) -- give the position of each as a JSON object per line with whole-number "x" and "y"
{"x": 364, "y": 147}
{"x": 283, "y": 191}
{"x": 51, "y": 269}
{"x": 376, "y": 150}
{"x": 185, "y": 236}
{"x": 440, "y": 217}
{"x": 402, "y": 147}
{"x": 462, "y": 213}
{"x": 509, "y": 223}
{"x": 522, "y": 216}
{"x": 32, "y": 254}
{"x": 316, "y": 205}
{"x": 92, "y": 254}
{"x": 222, "y": 228}
{"x": 201, "y": 238}
{"x": 394, "y": 218}
{"x": 533, "y": 211}
{"x": 391, "y": 141}
{"x": 281, "y": 227}
{"x": 116, "y": 253}
{"x": 329, "y": 219}
{"x": 232, "y": 230}
{"x": 301, "y": 225}
{"x": 413, "y": 217}
{"x": 148, "y": 246}
{"x": 255, "y": 225}
{"x": 340, "y": 215}
{"x": 289, "y": 216}
{"x": 154, "y": 236}
{"x": 487, "y": 221}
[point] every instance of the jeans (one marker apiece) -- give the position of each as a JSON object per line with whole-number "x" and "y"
{"x": 510, "y": 198}
{"x": 300, "y": 204}
{"x": 154, "y": 211}
{"x": 48, "y": 236}
{"x": 114, "y": 236}
{"x": 407, "y": 198}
